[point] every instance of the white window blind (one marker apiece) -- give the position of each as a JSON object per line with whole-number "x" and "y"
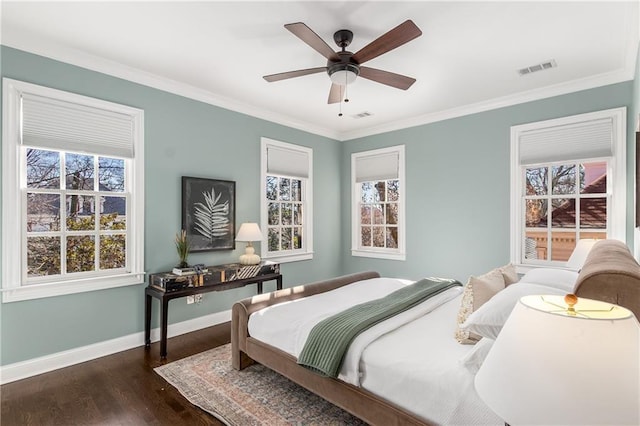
{"x": 381, "y": 166}
{"x": 286, "y": 162}
{"x": 62, "y": 125}
{"x": 589, "y": 139}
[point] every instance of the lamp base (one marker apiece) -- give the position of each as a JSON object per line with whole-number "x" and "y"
{"x": 249, "y": 257}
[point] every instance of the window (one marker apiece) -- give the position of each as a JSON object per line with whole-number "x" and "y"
{"x": 76, "y": 193}
{"x": 286, "y": 208}
{"x": 378, "y": 203}
{"x": 568, "y": 183}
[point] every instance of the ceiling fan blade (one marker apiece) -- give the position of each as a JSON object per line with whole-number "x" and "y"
{"x": 398, "y": 36}
{"x": 307, "y": 35}
{"x": 336, "y": 93}
{"x": 291, "y": 74}
{"x": 385, "y": 77}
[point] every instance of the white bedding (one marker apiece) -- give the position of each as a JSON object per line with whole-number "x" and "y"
{"x": 411, "y": 360}
{"x": 352, "y": 365}
{"x": 287, "y": 325}
{"x": 436, "y": 386}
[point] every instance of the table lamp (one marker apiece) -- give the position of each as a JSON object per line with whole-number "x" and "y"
{"x": 249, "y": 232}
{"x": 564, "y": 361}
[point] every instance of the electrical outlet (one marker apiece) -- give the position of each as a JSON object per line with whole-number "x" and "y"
{"x": 190, "y": 300}
{"x": 199, "y": 298}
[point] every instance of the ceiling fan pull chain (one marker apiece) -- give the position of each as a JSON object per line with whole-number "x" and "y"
{"x": 346, "y": 88}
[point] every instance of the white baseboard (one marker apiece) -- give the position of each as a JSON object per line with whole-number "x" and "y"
{"x": 32, "y": 367}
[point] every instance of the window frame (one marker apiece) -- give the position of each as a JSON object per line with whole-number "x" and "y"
{"x": 306, "y": 252}
{"x": 356, "y": 195}
{"x": 14, "y": 285}
{"x": 616, "y": 192}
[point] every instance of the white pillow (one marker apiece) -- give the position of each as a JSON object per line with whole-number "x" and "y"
{"x": 473, "y": 359}
{"x": 488, "y": 320}
{"x": 561, "y": 279}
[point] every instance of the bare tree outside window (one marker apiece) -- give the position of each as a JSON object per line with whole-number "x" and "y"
{"x": 285, "y": 213}
{"x": 379, "y": 213}
{"x": 94, "y": 233}
{"x": 563, "y": 203}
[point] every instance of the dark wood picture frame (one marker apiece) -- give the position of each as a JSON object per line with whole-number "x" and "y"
{"x": 209, "y": 213}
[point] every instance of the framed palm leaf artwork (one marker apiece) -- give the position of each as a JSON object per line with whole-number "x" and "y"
{"x": 209, "y": 213}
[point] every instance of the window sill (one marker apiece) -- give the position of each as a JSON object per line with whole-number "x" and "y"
{"x": 289, "y": 257}
{"x": 378, "y": 254}
{"x": 523, "y": 268}
{"x": 39, "y": 291}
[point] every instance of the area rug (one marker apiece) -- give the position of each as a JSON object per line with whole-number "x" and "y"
{"x": 253, "y": 396}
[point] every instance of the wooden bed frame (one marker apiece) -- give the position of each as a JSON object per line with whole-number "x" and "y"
{"x": 245, "y": 350}
{"x": 610, "y": 273}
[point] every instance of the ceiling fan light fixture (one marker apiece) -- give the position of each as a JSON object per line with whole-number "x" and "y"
{"x": 343, "y": 74}
{"x": 343, "y": 77}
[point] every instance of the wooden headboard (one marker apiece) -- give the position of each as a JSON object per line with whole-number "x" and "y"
{"x": 611, "y": 274}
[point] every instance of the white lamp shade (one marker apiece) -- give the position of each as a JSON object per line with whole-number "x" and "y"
{"x": 555, "y": 369}
{"x": 580, "y": 253}
{"x": 249, "y": 232}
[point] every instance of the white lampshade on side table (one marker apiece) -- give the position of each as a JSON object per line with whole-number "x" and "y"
{"x": 249, "y": 232}
{"x": 553, "y": 366}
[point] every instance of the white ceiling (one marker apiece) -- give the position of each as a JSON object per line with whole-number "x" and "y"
{"x": 465, "y": 61}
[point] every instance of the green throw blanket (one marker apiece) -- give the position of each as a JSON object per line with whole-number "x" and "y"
{"x": 329, "y": 340}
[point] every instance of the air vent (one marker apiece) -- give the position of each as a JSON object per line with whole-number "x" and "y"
{"x": 538, "y": 67}
{"x": 362, "y": 114}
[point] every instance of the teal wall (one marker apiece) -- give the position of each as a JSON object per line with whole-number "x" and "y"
{"x": 635, "y": 110}
{"x": 457, "y": 198}
{"x": 182, "y": 137}
{"x": 457, "y": 189}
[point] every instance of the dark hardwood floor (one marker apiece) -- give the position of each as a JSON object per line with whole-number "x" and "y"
{"x": 119, "y": 389}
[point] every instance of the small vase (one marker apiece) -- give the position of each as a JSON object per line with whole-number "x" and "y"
{"x": 183, "y": 264}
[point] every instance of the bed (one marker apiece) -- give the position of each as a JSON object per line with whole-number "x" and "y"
{"x": 417, "y": 373}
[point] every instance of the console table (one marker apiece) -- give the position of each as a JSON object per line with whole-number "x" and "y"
{"x": 167, "y": 286}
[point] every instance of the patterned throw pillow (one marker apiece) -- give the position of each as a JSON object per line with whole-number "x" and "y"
{"x": 477, "y": 292}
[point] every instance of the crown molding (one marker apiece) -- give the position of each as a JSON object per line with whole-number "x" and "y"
{"x": 27, "y": 43}
{"x": 31, "y": 44}
{"x": 626, "y": 73}
{"x": 496, "y": 103}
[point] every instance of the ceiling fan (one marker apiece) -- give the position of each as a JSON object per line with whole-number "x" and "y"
{"x": 343, "y": 66}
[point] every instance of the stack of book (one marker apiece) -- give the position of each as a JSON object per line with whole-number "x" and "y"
{"x": 192, "y": 270}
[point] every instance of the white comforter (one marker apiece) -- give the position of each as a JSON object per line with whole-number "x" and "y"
{"x": 425, "y": 377}
{"x": 420, "y": 367}
{"x": 287, "y": 326}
